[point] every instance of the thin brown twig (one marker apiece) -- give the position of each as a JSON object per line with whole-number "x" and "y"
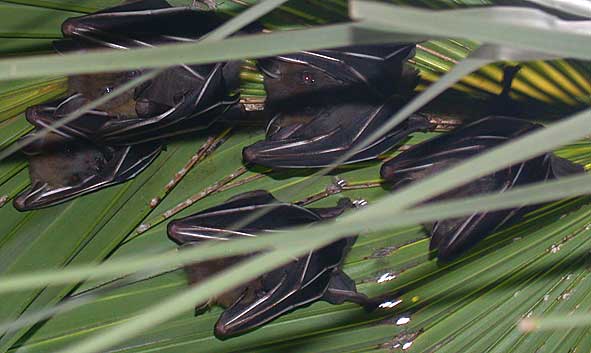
{"x": 337, "y": 186}
{"x": 437, "y": 54}
{"x": 444, "y": 125}
{"x": 191, "y": 200}
{"x": 241, "y": 182}
{"x": 362, "y": 186}
{"x": 210, "y": 145}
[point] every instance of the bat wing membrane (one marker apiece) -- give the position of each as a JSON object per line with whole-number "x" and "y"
{"x": 325, "y": 139}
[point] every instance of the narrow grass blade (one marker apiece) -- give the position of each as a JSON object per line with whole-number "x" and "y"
{"x": 246, "y": 17}
{"x": 316, "y": 236}
{"x": 168, "y": 309}
{"x": 240, "y": 47}
{"x": 540, "y": 32}
{"x": 580, "y": 8}
{"x": 550, "y": 323}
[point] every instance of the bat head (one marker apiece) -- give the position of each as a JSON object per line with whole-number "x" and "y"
{"x": 94, "y": 86}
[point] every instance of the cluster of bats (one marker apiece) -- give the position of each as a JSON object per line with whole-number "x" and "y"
{"x": 321, "y": 105}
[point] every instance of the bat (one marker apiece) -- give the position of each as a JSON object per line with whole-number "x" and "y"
{"x": 325, "y": 103}
{"x": 117, "y": 140}
{"x": 304, "y": 280}
{"x": 183, "y": 98}
{"x": 62, "y": 167}
{"x": 452, "y": 237}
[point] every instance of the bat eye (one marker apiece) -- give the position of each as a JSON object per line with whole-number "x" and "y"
{"x": 308, "y": 78}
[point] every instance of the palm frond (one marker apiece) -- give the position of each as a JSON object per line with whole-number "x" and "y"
{"x": 538, "y": 267}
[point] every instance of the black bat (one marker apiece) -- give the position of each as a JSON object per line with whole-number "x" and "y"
{"x": 315, "y": 276}
{"x": 378, "y": 70}
{"x": 452, "y": 237}
{"x": 62, "y": 167}
{"x": 321, "y": 135}
{"x": 119, "y": 133}
{"x": 324, "y": 103}
{"x": 181, "y": 99}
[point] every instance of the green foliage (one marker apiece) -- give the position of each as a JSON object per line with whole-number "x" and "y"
{"x": 538, "y": 267}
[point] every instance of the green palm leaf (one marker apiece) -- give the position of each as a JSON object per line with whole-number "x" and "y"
{"x": 538, "y": 267}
